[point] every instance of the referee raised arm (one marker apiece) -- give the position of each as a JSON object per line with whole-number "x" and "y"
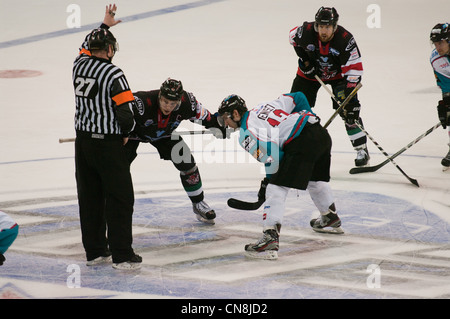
{"x": 103, "y": 122}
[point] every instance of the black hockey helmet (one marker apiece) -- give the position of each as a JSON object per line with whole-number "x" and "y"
{"x": 326, "y": 16}
{"x": 440, "y": 31}
{"x": 100, "y": 39}
{"x": 172, "y": 89}
{"x": 229, "y": 104}
{"x": 232, "y": 102}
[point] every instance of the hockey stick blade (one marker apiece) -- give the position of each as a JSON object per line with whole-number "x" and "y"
{"x": 412, "y": 180}
{"x": 368, "y": 169}
{"x": 243, "y": 205}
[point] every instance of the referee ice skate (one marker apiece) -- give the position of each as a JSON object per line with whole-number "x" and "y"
{"x": 103, "y": 122}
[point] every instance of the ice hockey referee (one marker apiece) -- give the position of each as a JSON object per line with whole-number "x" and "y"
{"x": 103, "y": 122}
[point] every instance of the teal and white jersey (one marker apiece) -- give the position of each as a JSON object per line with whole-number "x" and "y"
{"x": 6, "y": 222}
{"x": 441, "y": 68}
{"x": 267, "y": 128}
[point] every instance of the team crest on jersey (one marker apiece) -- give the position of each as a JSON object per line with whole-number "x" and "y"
{"x": 334, "y": 52}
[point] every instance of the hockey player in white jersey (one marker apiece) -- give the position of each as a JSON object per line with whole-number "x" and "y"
{"x": 287, "y": 137}
{"x": 440, "y": 61}
{"x": 8, "y": 234}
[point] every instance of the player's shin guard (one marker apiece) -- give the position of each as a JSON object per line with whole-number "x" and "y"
{"x": 359, "y": 143}
{"x": 321, "y": 195}
{"x": 275, "y": 205}
{"x": 192, "y": 184}
{"x": 328, "y": 221}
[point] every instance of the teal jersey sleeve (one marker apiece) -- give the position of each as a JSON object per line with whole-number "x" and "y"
{"x": 300, "y": 101}
{"x": 267, "y": 152}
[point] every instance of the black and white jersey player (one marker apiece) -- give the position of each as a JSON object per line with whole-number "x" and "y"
{"x": 160, "y": 112}
{"x": 329, "y": 51}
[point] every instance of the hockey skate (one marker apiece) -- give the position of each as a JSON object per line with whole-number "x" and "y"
{"x": 104, "y": 259}
{"x": 266, "y": 247}
{"x": 329, "y": 223}
{"x": 362, "y": 157}
{"x": 446, "y": 162}
{"x": 204, "y": 213}
{"x": 99, "y": 261}
{"x": 133, "y": 264}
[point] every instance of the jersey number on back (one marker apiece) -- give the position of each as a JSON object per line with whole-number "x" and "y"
{"x": 86, "y": 87}
{"x": 273, "y": 116}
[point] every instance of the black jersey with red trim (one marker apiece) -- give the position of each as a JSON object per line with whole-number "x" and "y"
{"x": 339, "y": 58}
{"x": 155, "y": 125}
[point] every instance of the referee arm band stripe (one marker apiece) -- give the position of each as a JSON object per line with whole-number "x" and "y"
{"x": 123, "y": 97}
{"x": 87, "y": 52}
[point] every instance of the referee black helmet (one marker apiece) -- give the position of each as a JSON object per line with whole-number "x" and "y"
{"x": 101, "y": 39}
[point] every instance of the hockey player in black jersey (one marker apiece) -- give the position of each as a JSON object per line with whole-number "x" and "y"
{"x": 329, "y": 51}
{"x": 161, "y": 112}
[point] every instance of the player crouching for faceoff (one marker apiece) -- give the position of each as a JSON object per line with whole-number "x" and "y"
{"x": 287, "y": 137}
{"x": 160, "y": 112}
{"x": 440, "y": 61}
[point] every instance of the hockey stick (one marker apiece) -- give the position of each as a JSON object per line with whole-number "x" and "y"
{"x": 243, "y": 205}
{"x": 72, "y": 139}
{"x": 357, "y": 170}
{"x": 360, "y": 126}
{"x": 341, "y": 106}
{"x": 412, "y": 180}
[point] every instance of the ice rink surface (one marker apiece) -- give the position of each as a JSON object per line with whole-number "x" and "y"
{"x": 396, "y": 241}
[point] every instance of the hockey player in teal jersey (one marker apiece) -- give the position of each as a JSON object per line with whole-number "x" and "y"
{"x": 440, "y": 61}
{"x": 286, "y": 136}
{"x": 8, "y": 234}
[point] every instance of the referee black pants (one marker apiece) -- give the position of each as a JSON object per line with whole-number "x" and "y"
{"x": 105, "y": 197}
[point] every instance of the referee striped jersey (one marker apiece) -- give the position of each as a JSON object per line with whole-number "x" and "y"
{"x": 102, "y": 96}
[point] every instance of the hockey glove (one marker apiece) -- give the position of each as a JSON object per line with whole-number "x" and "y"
{"x": 216, "y": 128}
{"x": 443, "y": 109}
{"x": 350, "y": 113}
{"x": 307, "y": 68}
{"x": 262, "y": 189}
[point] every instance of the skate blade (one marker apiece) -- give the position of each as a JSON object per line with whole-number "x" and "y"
{"x": 267, "y": 255}
{"x": 204, "y": 220}
{"x": 445, "y": 168}
{"x": 330, "y": 230}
